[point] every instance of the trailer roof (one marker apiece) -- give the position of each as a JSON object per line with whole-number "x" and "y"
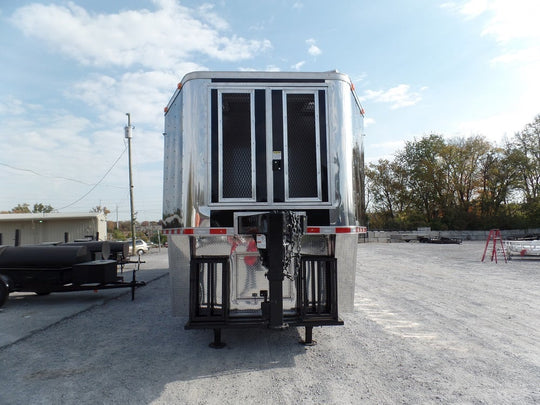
{"x": 262, "y": 75}
{"x": 259, "y": 77}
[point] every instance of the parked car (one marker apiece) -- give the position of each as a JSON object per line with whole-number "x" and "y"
{"x": 141, "y": 247}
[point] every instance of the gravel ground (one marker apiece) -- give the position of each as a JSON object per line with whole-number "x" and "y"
{"x": 432, "y": 324}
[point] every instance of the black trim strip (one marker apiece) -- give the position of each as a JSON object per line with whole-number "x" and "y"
{"x": 323, "y": 145}
{"x": 277, "y": 144}
{"x": 214, "y": 141}
{"x": 260, "y": 145}
{"x": 254, "y": 80}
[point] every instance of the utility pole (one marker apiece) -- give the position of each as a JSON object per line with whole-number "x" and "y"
{"x": 127, "y": 130}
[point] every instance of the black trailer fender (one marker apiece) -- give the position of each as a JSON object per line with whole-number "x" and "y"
{"x": 5, "y": 287}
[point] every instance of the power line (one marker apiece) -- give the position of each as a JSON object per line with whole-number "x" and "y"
{"x": 54, "y": 177}
{"x": 97, "y": 184}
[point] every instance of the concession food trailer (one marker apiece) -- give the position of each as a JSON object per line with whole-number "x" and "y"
{"x": 263, "y": 199}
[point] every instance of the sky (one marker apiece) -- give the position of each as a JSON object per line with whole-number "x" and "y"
{"x": 71, "y": 70}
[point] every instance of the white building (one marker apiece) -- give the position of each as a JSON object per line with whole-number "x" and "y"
{"x": 42, "y": 228}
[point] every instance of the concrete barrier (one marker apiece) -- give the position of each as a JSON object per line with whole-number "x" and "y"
{"x": 404, "y": 236}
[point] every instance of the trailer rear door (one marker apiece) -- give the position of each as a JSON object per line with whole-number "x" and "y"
{"x": 269, "y": 146}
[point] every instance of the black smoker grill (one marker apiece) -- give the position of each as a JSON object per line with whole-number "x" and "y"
{"x": 61, "y": 268}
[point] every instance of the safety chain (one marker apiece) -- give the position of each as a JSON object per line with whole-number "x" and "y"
{"x": 293, "y": 244}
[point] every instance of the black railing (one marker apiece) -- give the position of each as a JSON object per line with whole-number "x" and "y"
{"x": 209, "y": 289}
{"x": 317, "y": 287}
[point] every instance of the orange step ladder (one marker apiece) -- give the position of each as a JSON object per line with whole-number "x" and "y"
{"x": 494, "y": 235}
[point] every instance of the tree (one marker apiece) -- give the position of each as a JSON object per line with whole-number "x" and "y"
{"x": 462, "y": 158}
{"x": 499, "y": 170}
{"x": 463, "y": 183}
{"x": 387, "y": 186}
{"x": 25, "y": 209}
{"x": 527, "y": 146}
{"x": 21, "y": 209}
{"x": 527, "y": 143}
{"x": 460, "y": 162}
{"x": 42, "y": 208}
{"x": 425, "y": 177}
{"x": 99, "y": 209}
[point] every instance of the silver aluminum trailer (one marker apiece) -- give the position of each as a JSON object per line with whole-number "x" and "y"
{"x": 263, "y": 198}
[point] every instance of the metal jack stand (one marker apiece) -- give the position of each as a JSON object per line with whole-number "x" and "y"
{"x": 134, "y": 283}
{"x": 308, "y": 341}
{"x": 217, "y": 343}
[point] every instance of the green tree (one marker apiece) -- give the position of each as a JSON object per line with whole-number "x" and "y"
{"x": 499, "y": 177}
{"x": 25, "y": 208}
{"x": 387, "y": 190}
{"x": 527, "y": 143}
{"x": 460, "y": 165}
{"x": 99, "y": 209}
{"x": 39, "y": 207}
{"x": 426, "y": 180}
{"x": 21, "y": 209}
{"x": 462, "y": 183}
{"x": 117, "y": 234}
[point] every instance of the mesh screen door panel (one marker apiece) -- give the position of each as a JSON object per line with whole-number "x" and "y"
{"x": 236, "y": 146}
{"x": 302, "y": 147}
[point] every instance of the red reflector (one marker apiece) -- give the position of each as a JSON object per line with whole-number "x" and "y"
{"x": 343, "y": 230}
{"x": 179, "y": 86}
{"x": 188, "y": 231}
{"x": 165, "y": 109}
{"x": 218, "y": 231}
{"x": 313, "y": 229}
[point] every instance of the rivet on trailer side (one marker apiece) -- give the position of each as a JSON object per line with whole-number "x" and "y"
{"x": 263, "y": 199}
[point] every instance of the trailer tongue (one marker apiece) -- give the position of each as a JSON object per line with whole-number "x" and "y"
{"x": 263, "y": 193}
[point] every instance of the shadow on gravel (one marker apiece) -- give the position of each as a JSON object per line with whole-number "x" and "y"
{"x": 130, "y": 352}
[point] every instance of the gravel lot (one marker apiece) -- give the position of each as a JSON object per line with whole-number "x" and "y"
{"x": 432, "y": 324}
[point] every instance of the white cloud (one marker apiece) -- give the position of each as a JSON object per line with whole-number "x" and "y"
{"x": 160, "y": 38}
{"x": 58, "y": 157}
{"x": 497, "y": 127}
{"x": 313, "y": 49}
{"x": 368, "y": 122}
{"x": 513, "y": 24}
{"x": 298, "y": 66}
{"x": 381, "y": 150}
{"x": 143, "y": 94}
{"x": 14, "y": 106}
{"x": 398, "y": 97}
{"x": 530, "y": 55}
{"x": 515, "y": 28}
{"x": 55, "y": 143}
{"x": 205, "y": 13}
{"x": 149, "y": 51}
{"x": 473, "y": 8}
{"x": 506, "y": 20}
